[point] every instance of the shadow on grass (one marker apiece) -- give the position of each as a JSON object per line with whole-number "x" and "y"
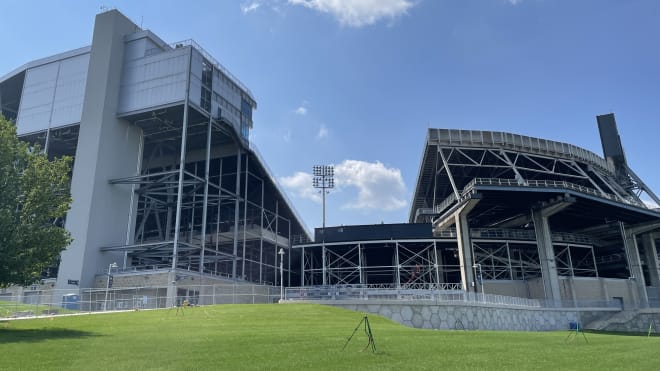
{"x": 10, "y": 335}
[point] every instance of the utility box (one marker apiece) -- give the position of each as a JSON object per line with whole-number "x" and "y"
{"x": 71, "y": 301}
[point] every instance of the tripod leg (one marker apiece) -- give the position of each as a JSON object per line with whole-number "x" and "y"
{"x": 570, "y": 333}
{"x": 353, "y": 334}
{"x": 370, "y": 335}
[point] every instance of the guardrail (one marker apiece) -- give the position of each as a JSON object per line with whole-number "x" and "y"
{"x": 434, "y": 294}
{"x": 559, "y": 184}
{"x": 498, "y": 139}
{"x": 210, "y": 58}
{"x": 549, "y": 184}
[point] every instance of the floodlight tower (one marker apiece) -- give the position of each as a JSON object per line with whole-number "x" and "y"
{"x": 323, "y": 180}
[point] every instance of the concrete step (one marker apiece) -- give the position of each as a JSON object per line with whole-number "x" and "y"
{"x": 618, "y": 317}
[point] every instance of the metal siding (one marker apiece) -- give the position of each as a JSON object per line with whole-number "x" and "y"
{"x": 134, "y": 50}
{"x": 374, "y": 232}
{"x": 37, "y": 99}
{"x": 153, "y": 81}
{"x": 70, "y": 91}
{"x": 195, "y": 90}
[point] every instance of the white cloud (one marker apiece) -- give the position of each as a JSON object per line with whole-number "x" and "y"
{"x": 323, "y": 132}
{"x": 650, "y": 204}
{"x": 300, "y": 184}
{"x": 250, "y": 7}
{"x": 514, "y": 2}
{"x": 357, "y": 13}
{"x": 302, "y": 111}
{"x": 378, "y": 187}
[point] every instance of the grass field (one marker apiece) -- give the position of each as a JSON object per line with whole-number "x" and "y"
{"x": 296, "y": 337}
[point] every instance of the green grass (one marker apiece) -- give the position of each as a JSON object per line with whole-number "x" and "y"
{"x": 296, "y": 337}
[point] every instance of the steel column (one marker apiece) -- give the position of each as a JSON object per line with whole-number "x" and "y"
{"x": 206, "y": 194}
{"x": 236, "y": 213}
{"x": 245, "y": 205}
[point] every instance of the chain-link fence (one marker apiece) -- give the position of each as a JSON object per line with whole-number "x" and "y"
{"x": 43, "y": 302}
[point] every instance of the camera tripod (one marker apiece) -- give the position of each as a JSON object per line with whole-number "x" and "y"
{"x": 367, "y": 331}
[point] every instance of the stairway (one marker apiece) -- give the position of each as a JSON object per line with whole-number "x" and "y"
{"x": 618, "y": 318}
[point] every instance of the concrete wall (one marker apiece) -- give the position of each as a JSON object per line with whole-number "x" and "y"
{"x": 107, "y": 148}
{"x": 536, "y": 290}
{"x": 515, "y": 288}
{"x": 622, "y": 289}
{"x": 472, "y": 316}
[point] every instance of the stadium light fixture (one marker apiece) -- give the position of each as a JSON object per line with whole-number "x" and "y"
{"x": 324, "y": 179}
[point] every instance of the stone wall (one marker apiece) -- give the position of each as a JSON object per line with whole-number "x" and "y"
{"x": 474, "y": 316}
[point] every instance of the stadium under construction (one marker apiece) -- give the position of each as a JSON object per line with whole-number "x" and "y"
{"x": 510, "y": 215}
{"x": 171, "y": 199}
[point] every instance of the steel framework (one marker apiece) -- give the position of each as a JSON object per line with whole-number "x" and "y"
{"x": 503, "y": 254}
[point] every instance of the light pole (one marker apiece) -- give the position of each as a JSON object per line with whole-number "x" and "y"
{"x": 323, "y": 180}
{"x": 481, "y": 281}
{"x": 107, "y": 285}
{"x": 281, "y": 254}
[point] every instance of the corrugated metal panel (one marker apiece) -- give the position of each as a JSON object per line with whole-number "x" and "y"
{"x": 53, "y": 94}
{"x": 37, "y": 99}
{"x": 154, "y": 81}
{"x": 374, "y": 232}
{"x": 195, "y": 90}
{"x": 70, "y": 91}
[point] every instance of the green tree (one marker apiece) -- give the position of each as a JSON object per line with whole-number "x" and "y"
{"x": 34, "y": 198}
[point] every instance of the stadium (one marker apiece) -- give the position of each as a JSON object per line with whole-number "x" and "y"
{"x": 511, "y": 215}
{"x": 172, "y": 202}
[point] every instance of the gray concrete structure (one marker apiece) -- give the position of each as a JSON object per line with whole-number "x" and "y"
{"x": 107, "y": 148}
{"x": 165, "y": 176}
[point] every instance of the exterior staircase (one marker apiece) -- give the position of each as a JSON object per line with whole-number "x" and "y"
{"x": 617, "y": 318}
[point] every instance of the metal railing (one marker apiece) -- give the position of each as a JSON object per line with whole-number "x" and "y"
{"x": 433, "y": 294}
{"x": 47, "y": 302}
{"x": 218, "y": 65}
{"x": 549, "y": 184}
{"x": 523, "y": 143}
{"x": 558, "y": 184}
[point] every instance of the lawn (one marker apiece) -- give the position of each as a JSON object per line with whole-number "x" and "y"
{"x": 296, "y": 337}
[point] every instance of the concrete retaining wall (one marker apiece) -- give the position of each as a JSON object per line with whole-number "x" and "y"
{"x": 469, "y": 316}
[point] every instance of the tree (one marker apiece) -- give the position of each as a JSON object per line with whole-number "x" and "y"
{"x": 34, "y": 198}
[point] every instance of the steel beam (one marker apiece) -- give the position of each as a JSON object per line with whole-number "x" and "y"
{"x": 634, "y": 265}
{"x": 540, "y": 217}
{"x": 465, "y": 244}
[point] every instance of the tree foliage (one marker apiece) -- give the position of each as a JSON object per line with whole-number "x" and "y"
{"x": 34, "y": 198}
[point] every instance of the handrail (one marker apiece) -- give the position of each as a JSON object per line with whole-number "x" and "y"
{"x": 498, "y": 139}
{"x": 544, "y": 184}
{"x": 218, "y": 65}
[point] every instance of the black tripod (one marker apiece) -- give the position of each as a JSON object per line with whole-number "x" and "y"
{"x": 573, "y": 333}
{"x": 367, "y": 331}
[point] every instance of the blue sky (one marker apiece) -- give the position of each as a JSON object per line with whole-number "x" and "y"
{"x": 357, "y": 83}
